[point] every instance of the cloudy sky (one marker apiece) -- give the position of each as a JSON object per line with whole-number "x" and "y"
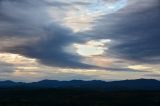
{"x": 79, "y": 39}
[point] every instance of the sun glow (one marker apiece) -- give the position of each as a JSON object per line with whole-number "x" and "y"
{"x": 92, "y": 48}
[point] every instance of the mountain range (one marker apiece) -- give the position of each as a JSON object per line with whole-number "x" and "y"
{"x": 138, "y": 84}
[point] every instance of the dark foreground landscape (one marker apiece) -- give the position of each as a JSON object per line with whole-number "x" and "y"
{"x": 62, "y": 97}
{"x": 81, "y": 93}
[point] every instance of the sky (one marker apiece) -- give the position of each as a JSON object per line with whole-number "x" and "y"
{"x": 79, "y": 39}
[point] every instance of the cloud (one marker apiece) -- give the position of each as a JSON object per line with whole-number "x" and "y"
{"x": 51, "y": 51}
{"x": 152, "y": 75}
{"x": 39, "y": 37}
{"x": 27, "y": 28}
{"x": 134, "y": 32}
{"x": 6, "y": 68}
{"x": 140, "y": 36}
{"x": 119, "y": 69}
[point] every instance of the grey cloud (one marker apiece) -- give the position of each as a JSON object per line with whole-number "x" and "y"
{"x": 45, "y": 38}
{"x": 123, "y": 69}
{"x": 50, "y": 51}
{"x": 152, "y": 75}
{"x": 135, "y": 34}
{"x": 6, "y": 68}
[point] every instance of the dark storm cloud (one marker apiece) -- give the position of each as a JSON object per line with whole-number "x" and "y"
{"x": 28, "y": 20}
{"x": 141, "y": 36}
{"x": 21, "y": 18}
{"x": 50, "y": 51}
{"x": 135, "y": 32}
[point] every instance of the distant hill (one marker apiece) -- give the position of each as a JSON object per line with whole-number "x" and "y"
{"x": 138, "y": 84}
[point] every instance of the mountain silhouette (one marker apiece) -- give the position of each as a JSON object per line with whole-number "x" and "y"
{"x": 138, "y": 84}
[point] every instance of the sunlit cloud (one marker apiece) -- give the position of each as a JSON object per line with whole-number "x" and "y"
{"x": 101, "y": 61}
{"x": 92, "y": 48}
{"x": 140, "y": 67}
{"x": 148, "y": 67}
{"x": 82, "y": 15}
{"x": 16, "y": 59}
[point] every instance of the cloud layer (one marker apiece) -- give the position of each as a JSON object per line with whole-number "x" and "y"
{"x": 102, "y": 35}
